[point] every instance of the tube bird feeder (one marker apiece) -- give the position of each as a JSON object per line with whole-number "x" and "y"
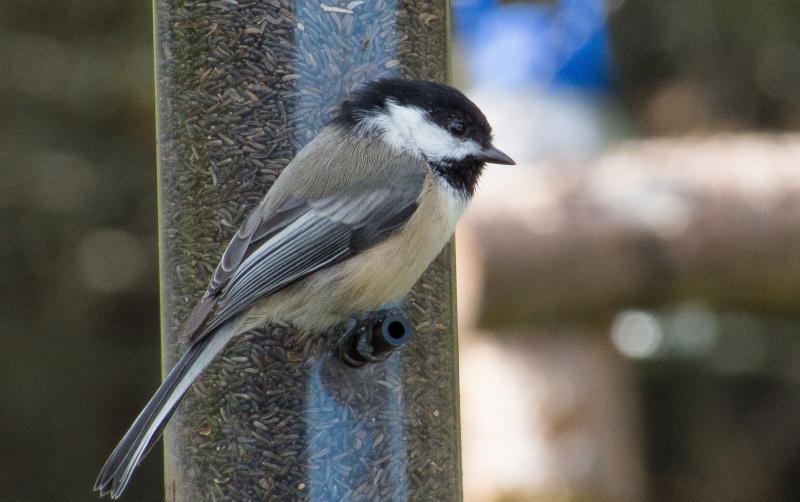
{"x": 242, "y": 85}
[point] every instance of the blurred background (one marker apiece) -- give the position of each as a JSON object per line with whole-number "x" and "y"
{"x": 628, "y": 293}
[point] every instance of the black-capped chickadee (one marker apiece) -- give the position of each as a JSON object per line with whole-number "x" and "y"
{"x": 350, "y": 225}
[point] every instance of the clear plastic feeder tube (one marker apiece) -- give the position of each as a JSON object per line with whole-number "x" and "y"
{"x": 241, "y": 86}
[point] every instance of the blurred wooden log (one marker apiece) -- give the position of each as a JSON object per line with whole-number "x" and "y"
{"x": 715, "y": 219}
{"x": 549, "y": 417}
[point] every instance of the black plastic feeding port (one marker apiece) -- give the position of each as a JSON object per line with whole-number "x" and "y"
{"x": 373, "y": 340}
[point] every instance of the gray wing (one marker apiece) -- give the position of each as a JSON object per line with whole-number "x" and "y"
{"x": 301, "y": 237}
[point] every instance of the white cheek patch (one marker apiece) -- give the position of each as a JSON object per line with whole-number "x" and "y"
{"x": 407, "y": 127}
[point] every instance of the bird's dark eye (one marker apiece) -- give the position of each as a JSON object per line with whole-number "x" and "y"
{"x": 457, "y": 128}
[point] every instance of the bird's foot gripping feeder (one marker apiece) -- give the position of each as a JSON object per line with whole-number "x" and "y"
{"x": 374, "y": 336}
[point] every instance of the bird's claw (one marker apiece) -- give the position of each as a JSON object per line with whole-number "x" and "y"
{"x": 374, "y": 336}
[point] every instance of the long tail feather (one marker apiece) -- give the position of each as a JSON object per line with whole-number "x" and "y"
{"x": 150, "y": 423}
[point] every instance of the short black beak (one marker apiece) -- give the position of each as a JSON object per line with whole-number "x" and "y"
{"x": 494, "y": 156}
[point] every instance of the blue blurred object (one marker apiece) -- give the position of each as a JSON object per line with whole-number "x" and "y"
{"x": 542, "y": 45}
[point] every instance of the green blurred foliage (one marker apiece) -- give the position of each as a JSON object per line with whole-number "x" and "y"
{"x": 713, "y": 64}
{"x": 78, "y": 246}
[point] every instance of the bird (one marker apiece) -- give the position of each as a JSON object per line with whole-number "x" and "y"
{"x": 346, "y": 230}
